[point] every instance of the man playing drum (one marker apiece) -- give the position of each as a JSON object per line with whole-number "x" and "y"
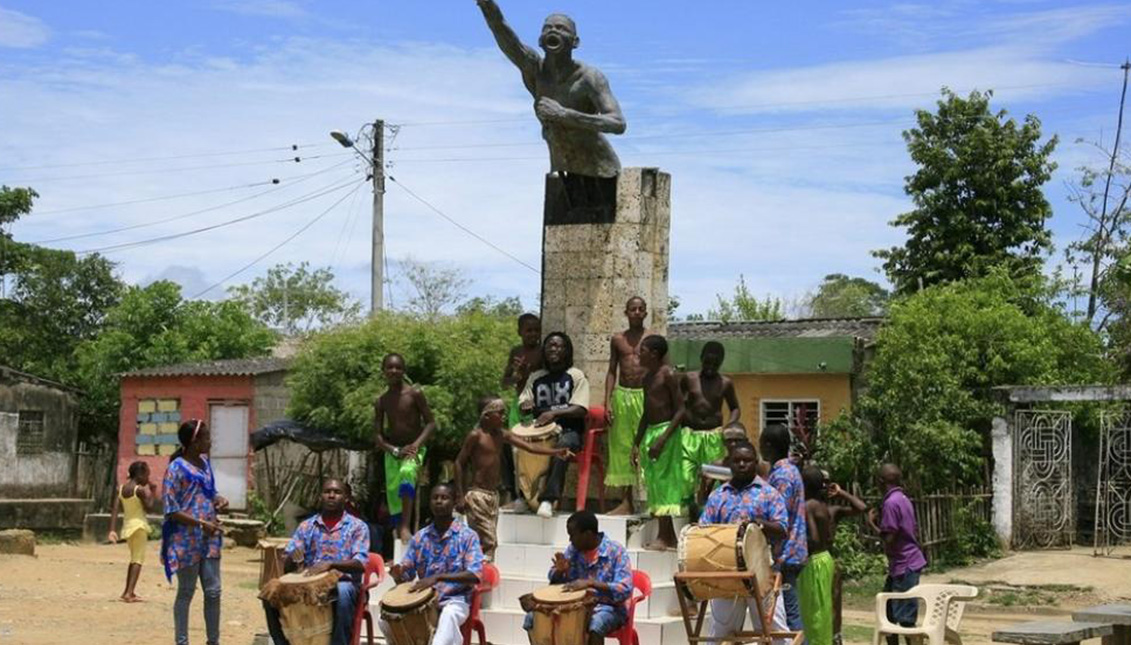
{"x": 333, "y": 539}
{"x": 595, "y": 563}
{"x": 745, "y": 498}
{"x": 444, "y": 555}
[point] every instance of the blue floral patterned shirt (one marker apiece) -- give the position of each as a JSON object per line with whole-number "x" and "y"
{"x": 348, "y": 540}
{"x": 191, "y": 490}
{"x": 431, "y": 554}
{"x": 755, "y": 502}
{"x": 611, "y": 567}
{"x": 786, "y": 478}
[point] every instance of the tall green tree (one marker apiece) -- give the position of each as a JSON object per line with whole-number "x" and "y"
{"x": 743, "y": 305}
{"x": 840, "y": 296}
{"x": 296, "y": 299}
{"x": 153, "y": 326}
{"x": 977, "y": 195}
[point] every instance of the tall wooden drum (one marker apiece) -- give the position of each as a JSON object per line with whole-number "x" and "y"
{"x": 560, "y": 617}
{"x": 531, "y": 467}
{"x": 412, "y": 615}
{"x": 304, "y": 604}
{"x": 271, "y": 565}
{"x": 725, "y": 548}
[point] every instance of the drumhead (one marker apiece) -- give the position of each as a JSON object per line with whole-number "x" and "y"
{"x": 756, "y": 552}
{"x": 557, "y": 595}
{"x": 531, "y": 432}
{"x": 402, "y": 598}
{"x": 300, "y": 578}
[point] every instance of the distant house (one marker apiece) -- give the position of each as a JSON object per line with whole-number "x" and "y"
{"x": 234, "y": 397}
{"x": 784, "y": 371}
{"x": 38, "y": 431}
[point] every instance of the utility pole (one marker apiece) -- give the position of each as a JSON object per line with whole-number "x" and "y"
{"x": 377, "y": 286}
{"x": 1104, "y": 237}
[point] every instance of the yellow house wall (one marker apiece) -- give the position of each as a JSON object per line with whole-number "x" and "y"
{"x": 834, "y": 391}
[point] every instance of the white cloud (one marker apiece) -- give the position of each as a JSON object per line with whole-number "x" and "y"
{"x": 21, "y": 31}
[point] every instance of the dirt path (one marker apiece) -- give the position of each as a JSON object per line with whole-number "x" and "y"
{"x": 69, "y": 594}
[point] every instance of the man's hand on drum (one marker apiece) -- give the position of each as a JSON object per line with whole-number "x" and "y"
{"x": 581, "y": 585}
{"x": 321, "y": 567}
{"x": 425, "y": 583}
{"x": 561, "y": 565}
{"x": 545, "y": 419}
{"x": 563, "y": 453}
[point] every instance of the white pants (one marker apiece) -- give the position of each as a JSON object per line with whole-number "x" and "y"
{"x": 452, "y": 614}
{"x": 727, "y": 617}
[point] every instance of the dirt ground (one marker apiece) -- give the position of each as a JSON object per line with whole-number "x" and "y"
{"x": 68, "y": 594}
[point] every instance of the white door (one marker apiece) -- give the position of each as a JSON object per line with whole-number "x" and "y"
{"x": 229, "y": 452}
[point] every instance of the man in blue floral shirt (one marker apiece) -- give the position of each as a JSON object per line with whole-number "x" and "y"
{"x": 598, "y": 564}
{"x": 745, "y": 498}
{"x": 333, "y": 539}
{"x": 444, "y": 555}
{"x": 785, "y": 477}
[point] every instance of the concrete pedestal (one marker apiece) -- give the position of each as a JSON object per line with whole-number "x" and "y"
{"x": 593, "y": 263}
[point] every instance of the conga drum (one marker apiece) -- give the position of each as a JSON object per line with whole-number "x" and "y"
{"x": 304, "y": 605}
{"x": 560, "y": 617}
{"x": 411, "y": 615}
{"x": 271, "y": 552}
{"x": 739, "y": 548}
{"x": 532, "y": 468}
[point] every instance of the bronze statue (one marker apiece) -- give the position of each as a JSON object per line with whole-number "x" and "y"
{"x": 572, "y": 100}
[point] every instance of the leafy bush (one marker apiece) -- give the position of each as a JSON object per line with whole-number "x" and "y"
{"x": 336, "y": 377}
{"x": 856, "y": 560}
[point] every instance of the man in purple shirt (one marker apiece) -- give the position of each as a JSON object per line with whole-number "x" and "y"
{"x": 898, "y": 529}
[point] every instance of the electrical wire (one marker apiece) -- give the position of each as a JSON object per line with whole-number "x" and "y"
{"x": 458, "y": 225}
{"x": 43, "y": 180}
{"x": 174, "y": 218}
{"x": 173, "y": 236}
{"x": 280, "y": 244}
{"x": 107, "y": 162}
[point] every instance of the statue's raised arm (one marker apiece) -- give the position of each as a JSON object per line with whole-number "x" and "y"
{"x": 573, "y": 101}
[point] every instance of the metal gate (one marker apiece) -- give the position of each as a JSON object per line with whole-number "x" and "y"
{"x": 1113, "y": 489}
{"x": 1043, "y": 497}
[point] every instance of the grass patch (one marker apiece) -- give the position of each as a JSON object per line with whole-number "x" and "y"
{"x": 861, "y": 594}
{"x": 58, "y": 536}
{"x": 856, "y": 633}
{"x": 253, "y": 585}
{"x": 1002, "y": 594}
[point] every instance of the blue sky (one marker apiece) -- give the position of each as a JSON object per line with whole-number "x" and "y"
{"x": 780, "y": 124}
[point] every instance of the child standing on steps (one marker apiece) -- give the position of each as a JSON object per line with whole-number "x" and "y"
{"x": 658, "y": 446}
{"x": 136, "y": 499}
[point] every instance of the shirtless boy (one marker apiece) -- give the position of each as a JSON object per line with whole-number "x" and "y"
{"x": 659, "y": 434}
{"x": 410, "y": 424}
{"x": 622, "y": 391}
{"x": 523, "y": 360}
{"x": 482, "y": 449}
{"x": 704, "y": 393}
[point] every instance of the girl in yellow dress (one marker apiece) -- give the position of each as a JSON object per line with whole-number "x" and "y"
{"x": 136, "y": 498}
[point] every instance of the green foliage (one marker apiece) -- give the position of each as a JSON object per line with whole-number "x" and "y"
{"x": 433, "y": 289}
{"x": 977, "y": 195}
{"x": 855, "y": 559}
{"x": 153, "y": 326}
{"x": 296, "y": 299}
{"x": 974, "y": 539}
{"x": 15, "y": 203}
{"x": 840, "y": 296}
{"x": 336, "y": 378}
{"x": 929, "y": 403}
{"x": 509, "y": 308}
{"x": 743, "y": 305}
{"x": 257, "y": 510}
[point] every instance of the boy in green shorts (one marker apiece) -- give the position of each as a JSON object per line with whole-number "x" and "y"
{"x": 704, "y": 393}
{"x": 624, "y": 401}
{"x": 410, "y": 424}
{"x": 659, "y": 433}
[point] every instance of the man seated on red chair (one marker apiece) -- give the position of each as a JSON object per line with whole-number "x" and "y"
{"x": 596, "y": 563}
{"x": 445, "y": 555}
{"x": 332, "y": 539}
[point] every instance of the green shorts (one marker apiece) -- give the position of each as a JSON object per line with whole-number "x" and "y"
{"x": 815, "y": 591}
{"x": 627, "y": 406}
{"x": 400, "y": 481}
{"x": 663, "y": 477}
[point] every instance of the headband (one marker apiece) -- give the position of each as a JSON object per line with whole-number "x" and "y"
{"x": 195, "y": 431}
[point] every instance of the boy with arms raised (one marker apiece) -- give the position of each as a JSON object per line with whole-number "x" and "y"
{"x": 624, "y": 401}
{"x": 483, "y": 448}
{"x": 410, "y": 424}
{"x": 705, "y": 391}
{"x": 659, "y": 433}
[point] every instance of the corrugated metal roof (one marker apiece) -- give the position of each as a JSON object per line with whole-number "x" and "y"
{"x": 232, "y": 367}
{"x": 804, "y": 328}
{"x": 12, "y": 374}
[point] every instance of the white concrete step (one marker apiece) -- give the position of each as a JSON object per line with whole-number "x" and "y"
{"x": 630, "y": 530}
{"x": 504, "y": 627}
{"x": 533, "y": 560}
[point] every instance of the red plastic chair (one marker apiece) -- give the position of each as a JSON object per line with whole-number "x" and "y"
{"x": 627, "y": 635}
{"x": 488, "y": 581}
{"x": 590, "y": 455}
{"x": 375, "y": 566}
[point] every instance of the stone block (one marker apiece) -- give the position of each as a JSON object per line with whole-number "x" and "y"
{"x": 147, "y": 428}
{"x": 168, "y": 405}
{"x": 146, "y": 406}
{"x": 146, "y": 450}
{"x": 17, "y": 542}
{"x": 169, "y": 427}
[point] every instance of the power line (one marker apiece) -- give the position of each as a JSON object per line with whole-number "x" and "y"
{"x": 280, "y": 244}
{"x": 203, "y": 229}
{"x": 458, "y": 225}
{"x": 42, "y": 180}
{"x": 109, "y": 162}
{"x": 174, "y": 218}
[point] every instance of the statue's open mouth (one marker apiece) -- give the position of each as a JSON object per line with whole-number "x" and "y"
{"x": 553, "y": 42}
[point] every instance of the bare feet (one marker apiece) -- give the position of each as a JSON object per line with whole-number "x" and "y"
{"x": 131, "y": 599}
{"x": 624, "y": 508}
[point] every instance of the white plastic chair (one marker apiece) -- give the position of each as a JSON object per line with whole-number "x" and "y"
{"x": 939, "y": 623}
